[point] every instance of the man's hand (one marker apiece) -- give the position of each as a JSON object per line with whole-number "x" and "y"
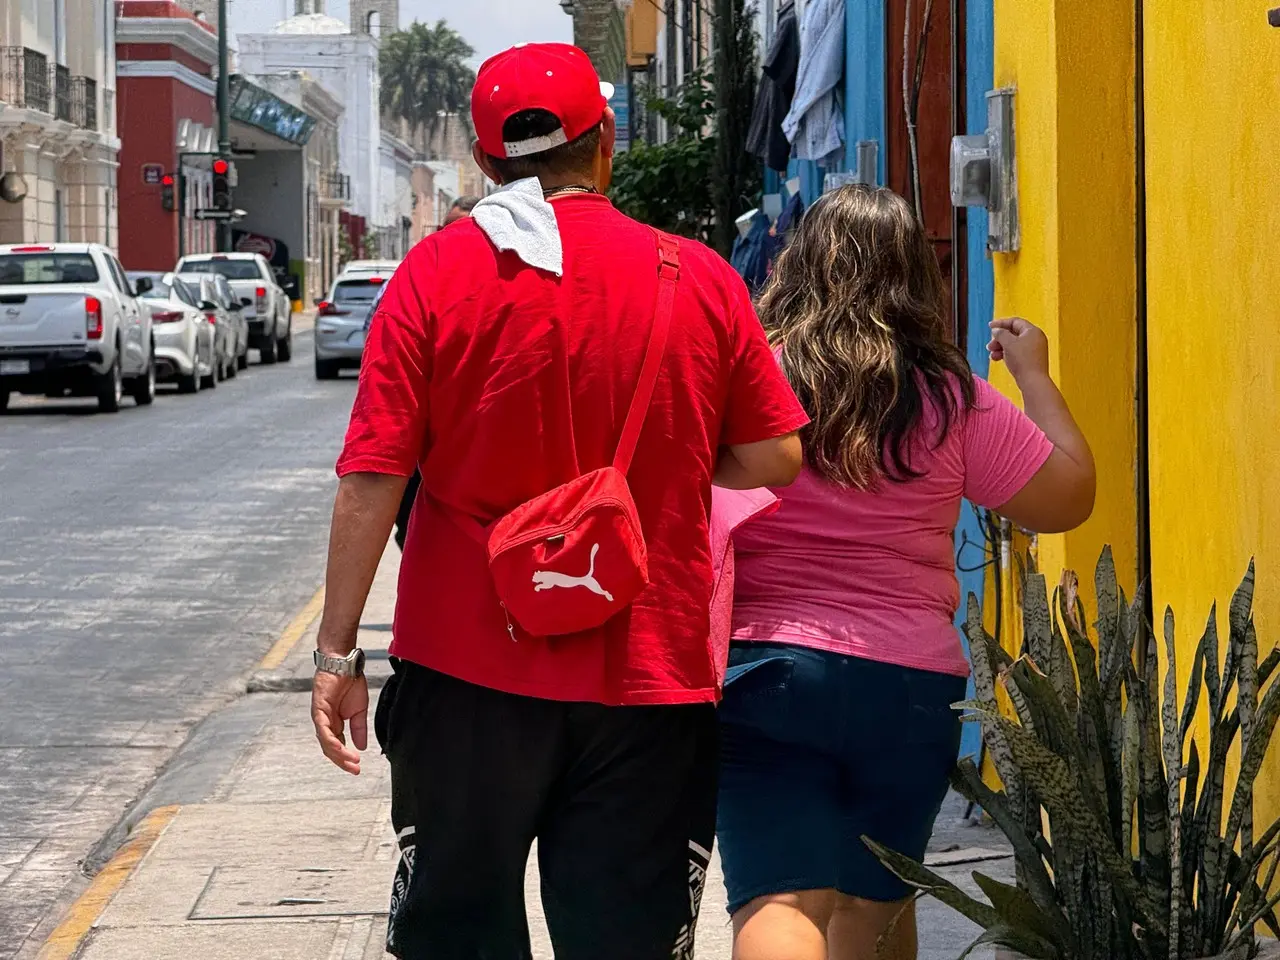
{"x": 336, "y": 700}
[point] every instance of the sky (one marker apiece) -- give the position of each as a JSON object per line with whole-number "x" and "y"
{"x": 488, "y": 25}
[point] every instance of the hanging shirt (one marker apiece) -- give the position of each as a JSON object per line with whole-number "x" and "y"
{"x": 765, "y": 138}
{"x": 815, "y": 123}
{"x": 750, "y": 256}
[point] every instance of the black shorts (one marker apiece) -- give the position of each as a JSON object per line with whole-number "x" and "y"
{"x": 621, "y": 801}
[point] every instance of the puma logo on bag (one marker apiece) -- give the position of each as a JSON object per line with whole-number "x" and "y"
{"x": 546, "y": 579}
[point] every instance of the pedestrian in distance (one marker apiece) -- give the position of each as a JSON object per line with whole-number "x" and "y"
{"x": 459, "y": 209}
{"x": 837, "y": 719}
{"x": 571, "y": 383}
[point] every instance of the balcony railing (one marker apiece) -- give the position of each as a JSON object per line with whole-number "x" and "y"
{"x": 84, "y": 102}
{"x": 61, "y": 77}
{"x": 335, "y": 186}
{"x": 24, "y": 78}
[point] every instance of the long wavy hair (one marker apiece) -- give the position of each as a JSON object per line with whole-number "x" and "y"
{"x": 856, "y": 305}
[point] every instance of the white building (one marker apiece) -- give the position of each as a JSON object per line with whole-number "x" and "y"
{"x": 346, "y": 64}
{"x": 58, "y": 141}
{"x": 393, "y": 224}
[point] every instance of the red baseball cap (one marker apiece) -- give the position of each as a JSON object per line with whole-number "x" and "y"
{"x": 556, "y": 77}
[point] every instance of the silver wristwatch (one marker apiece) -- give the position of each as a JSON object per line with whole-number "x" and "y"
{"x": 352, "y": 665}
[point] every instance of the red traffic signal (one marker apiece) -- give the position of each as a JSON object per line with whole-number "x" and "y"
{"x": 221, "y": 167}
{"x": 166, "y": 180}
{"x": 168, "y": 199}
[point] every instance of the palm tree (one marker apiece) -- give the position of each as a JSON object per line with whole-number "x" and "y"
{"x": 425, "y": 78}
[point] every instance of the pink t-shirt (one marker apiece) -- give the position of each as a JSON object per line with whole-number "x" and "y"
{"x": 872, "y": 574}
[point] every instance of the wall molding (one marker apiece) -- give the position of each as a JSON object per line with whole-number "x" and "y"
{"x": 169, "y": 70}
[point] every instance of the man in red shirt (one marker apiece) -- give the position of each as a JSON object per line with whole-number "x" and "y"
{"x": 502, "y": 362}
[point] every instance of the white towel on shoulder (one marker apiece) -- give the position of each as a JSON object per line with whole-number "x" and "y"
{"x": 518, "y": 218}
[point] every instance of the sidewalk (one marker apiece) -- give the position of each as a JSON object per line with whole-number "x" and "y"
{"x": 290, "y": 859}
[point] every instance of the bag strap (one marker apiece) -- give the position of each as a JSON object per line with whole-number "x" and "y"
{"x": 668, "y": 274}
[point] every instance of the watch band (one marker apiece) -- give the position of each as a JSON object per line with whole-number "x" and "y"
{"x": 352, "y": 665}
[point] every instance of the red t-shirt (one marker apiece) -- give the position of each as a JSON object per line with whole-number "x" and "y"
{"x": 468, "y": 371}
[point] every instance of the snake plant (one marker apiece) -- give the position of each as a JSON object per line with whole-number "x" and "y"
{"x": 1128, "y": 844}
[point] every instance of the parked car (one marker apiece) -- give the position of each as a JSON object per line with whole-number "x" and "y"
{"x": 71, "y": 324}
{"x": 368, "y": 267}
{"x": 185, "y": 340}
{"x": 342, "y": 320}
{"x": 239, "y": 359}
{"x": 218, "y": 316}
{"x": 266, "y": 305}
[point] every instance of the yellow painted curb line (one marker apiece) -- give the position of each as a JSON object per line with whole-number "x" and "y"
{"x": 84, "y": 913}
{"x": 293, "y": 632}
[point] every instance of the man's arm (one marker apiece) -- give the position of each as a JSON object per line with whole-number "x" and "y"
{"x": 363, "y": 514}
{"x": 770, "y": 463}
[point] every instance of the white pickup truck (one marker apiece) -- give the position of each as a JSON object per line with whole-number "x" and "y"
{"x": 266, "y": 306}
{"x": 71, "y": 325}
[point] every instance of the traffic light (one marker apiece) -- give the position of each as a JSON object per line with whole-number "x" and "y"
{"x": 167, "y": 198}
{"x": 221, "y": 184}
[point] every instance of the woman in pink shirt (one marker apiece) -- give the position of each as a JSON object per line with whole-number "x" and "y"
{"x": 837, "y": 718}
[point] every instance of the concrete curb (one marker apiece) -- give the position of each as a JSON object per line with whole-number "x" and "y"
{"x": 84, "y": 913}
{"x": 273, "y": 683}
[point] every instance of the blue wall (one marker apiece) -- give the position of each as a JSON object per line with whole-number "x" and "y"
{"x": 865, "y": 104}
{"x": 979, "y": 74}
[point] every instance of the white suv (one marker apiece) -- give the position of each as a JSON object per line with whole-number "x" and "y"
{"x": 71, "y": 324}
{"x": 266, "y": 306}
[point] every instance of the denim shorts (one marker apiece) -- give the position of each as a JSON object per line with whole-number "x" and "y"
{"x": 819, "y": 749}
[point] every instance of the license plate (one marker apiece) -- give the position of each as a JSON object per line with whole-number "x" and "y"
{"x": 14, "y": 366}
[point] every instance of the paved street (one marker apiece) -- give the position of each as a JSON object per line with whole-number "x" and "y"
{"x": 147, "y": 560}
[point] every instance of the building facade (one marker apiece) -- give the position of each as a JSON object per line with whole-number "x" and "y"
{"x": 58, "y": 139}
{"x": 167, "y": 115}
{"x": 346, "y": 64}
{"x": 325, "y": 189}
{"x": 377, "y": 18}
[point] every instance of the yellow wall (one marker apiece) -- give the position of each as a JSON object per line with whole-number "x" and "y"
{"x": 1072, "y": 63}
{"x": 1213, "y": 214}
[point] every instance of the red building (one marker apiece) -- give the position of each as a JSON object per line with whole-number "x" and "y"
{"x": 166, "y": 104}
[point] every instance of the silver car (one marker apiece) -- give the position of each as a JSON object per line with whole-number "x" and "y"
{"x": 236, "y": 306}
{"x": 184, "y": 338}
{"x": 342, "y": 320}
{"x": 218, "y": 315}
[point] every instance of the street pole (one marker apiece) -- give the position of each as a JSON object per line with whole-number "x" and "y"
{"x": 224, "y": 111}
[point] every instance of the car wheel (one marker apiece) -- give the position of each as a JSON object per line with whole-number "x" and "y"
{"x": 242, "y": 361}
{"x": 284, "y": 348}
{"x": 326, "y": 369}
{"x": 189, "y": 383}
{"x": 143, "y": 388}
{"x": 232, "y": 369}
{"x": 109, "y": 387}
{"x": 210, "y": 380}
{"x": 267, "y": 352}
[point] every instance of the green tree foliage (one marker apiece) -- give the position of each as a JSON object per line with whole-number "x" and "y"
{"x": 425, "y": 77}
{"x": 667, "y": 185}
{"x": 735, "y": 180}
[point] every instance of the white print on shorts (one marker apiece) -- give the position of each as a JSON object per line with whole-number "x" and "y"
{"x": 699, "y": 861}
{"x": 400, "y": 885}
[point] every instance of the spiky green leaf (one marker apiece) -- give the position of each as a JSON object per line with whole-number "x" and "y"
{"x": 922, "y": 878}
{"x": 1006, "y": 936}
{"x": 1019, "y": 910}
{"x": 968, "y": 782}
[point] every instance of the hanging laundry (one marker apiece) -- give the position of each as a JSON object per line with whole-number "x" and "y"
{"x": 749, "y": 256}
{"x": 782, "y": 230}
{"x": 765, "y": 138}
{"x": 815, "y": 122}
